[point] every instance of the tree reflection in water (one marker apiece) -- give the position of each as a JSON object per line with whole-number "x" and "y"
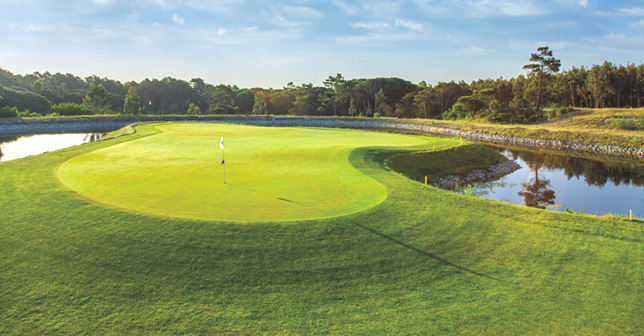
{"x": 536, "y": 194}
{"x": 596, "y": 172}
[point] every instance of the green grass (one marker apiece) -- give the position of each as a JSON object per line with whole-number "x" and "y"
{"x": 424, "y": 261}
{"x": 582, "y": 125}
{"x": 443, "y": 162}
{"x": 273, "y": 174}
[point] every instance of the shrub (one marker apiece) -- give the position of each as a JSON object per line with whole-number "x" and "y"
{"x": 218, "y": 110}
{"x": 8, "y": 112}
{"x": 623, "y": 124}
{"x": 27, "y": 113}
{"x": 456, "y": 112}
{"x": 69, "y": 109}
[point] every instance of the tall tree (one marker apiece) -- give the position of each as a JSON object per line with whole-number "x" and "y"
{"x": 380, "y": 105}
{"x": 336, "y": 88}
{"x": 132, "y": 103}
{"x": 260, "y": 106}
{"x": 97, "y": 99}
{"x": 543, "y": 65}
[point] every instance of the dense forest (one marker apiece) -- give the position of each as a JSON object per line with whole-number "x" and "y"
{"x": 544, "y": 92}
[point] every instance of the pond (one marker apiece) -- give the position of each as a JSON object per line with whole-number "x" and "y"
{"x": 16, "y": 147}
{"x": 556, "y": 182}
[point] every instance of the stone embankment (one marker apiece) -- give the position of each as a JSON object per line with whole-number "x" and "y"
{"x": 89, "y": 124}
{"x": 490, "y": 173}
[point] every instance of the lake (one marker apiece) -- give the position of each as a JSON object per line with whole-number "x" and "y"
{"x": 16, "y": 147}
{"x": 558, "y": 181}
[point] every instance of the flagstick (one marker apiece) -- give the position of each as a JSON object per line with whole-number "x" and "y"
{"x": 223, "y": 158}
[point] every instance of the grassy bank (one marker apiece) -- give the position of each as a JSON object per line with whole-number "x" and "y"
{"x": 424, "y": 261}
{"x": 436, "y": 164}
{"x": 592, "y": 126}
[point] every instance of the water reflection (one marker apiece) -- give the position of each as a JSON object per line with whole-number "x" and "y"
{"x": 536, "y": 193}
{"x": 556, "y": 182}
{"x": 15, "y": 147}
{"x": 594, "y": 172}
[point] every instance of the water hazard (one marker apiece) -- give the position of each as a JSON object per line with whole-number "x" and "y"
{"x": 569, "y": 183}
{"x": 16, "y": 147}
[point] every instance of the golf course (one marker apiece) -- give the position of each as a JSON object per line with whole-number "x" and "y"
{"x": 312, "y": 232}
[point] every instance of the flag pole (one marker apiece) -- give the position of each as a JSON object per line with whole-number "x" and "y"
{"x": 223, "y": 156}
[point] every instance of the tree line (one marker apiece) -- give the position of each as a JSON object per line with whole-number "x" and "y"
{"x": 544, "y": 92}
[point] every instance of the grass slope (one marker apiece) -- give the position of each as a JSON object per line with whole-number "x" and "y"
{"x": 424, "y": 261}
{"x": 273, "y": 174}
{"x": 436, "y": 164}
{"x": 603, "y": 126}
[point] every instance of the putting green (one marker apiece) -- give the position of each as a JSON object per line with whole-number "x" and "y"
{"x": 272, "y": 174}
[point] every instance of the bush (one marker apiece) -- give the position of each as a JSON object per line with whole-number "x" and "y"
{"x": 623, "y": 124}
{"x": 27, "y": 113}
{"x": 455, "y": 113}
{"x": 8, "y": 112}
{"x": 218, "y": 110}
{"x": 69, "y": 109}
{"x": 556, "y": 111}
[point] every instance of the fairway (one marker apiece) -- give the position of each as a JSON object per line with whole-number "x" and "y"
{"x": 272, "y": 174}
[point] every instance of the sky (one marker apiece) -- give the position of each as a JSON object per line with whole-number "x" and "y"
{"x": 266, "y": 44}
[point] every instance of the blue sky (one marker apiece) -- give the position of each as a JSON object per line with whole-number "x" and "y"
{"x": 268, "y": 44}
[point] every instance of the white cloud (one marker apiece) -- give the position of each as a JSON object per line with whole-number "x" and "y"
{"x": 573, "y": 3}
{"x": 370, "y": 25}
{"x": 638, "y": 25}
{"x": 103, "y": 2}
{"x": 409, "y": 25}
{"x": 33, "y": 28}
{"x": 504, "y": 7}
{"x": 346, "y": 8}
{"x": 635, "y": 11}
{"x": 177, "y": 19}
{"x": 302, "y": 12}
{"x": 217, "y": 6}
{"x": 292, "y": 16}
{"x": 616, "y": 42}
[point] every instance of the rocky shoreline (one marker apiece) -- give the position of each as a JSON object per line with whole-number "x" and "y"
{"x": 490, "y": 173}
{"x": 110, "y": 123}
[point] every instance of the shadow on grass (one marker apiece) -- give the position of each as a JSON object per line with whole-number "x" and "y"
{"x": 263, "y": 193}
{"x": 443, "y": 261}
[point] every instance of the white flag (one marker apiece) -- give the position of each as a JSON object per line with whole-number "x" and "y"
{"x": 221, "y": 143}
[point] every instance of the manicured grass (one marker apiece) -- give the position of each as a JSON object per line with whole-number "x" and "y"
{"x": 424, "y": 261}
{"x": 440, "y": 163}
{"x": 273, "y": 174}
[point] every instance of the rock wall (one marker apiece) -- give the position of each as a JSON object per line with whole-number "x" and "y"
{"x": 109, "y": 123}
{"x": 490, "y": 173}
